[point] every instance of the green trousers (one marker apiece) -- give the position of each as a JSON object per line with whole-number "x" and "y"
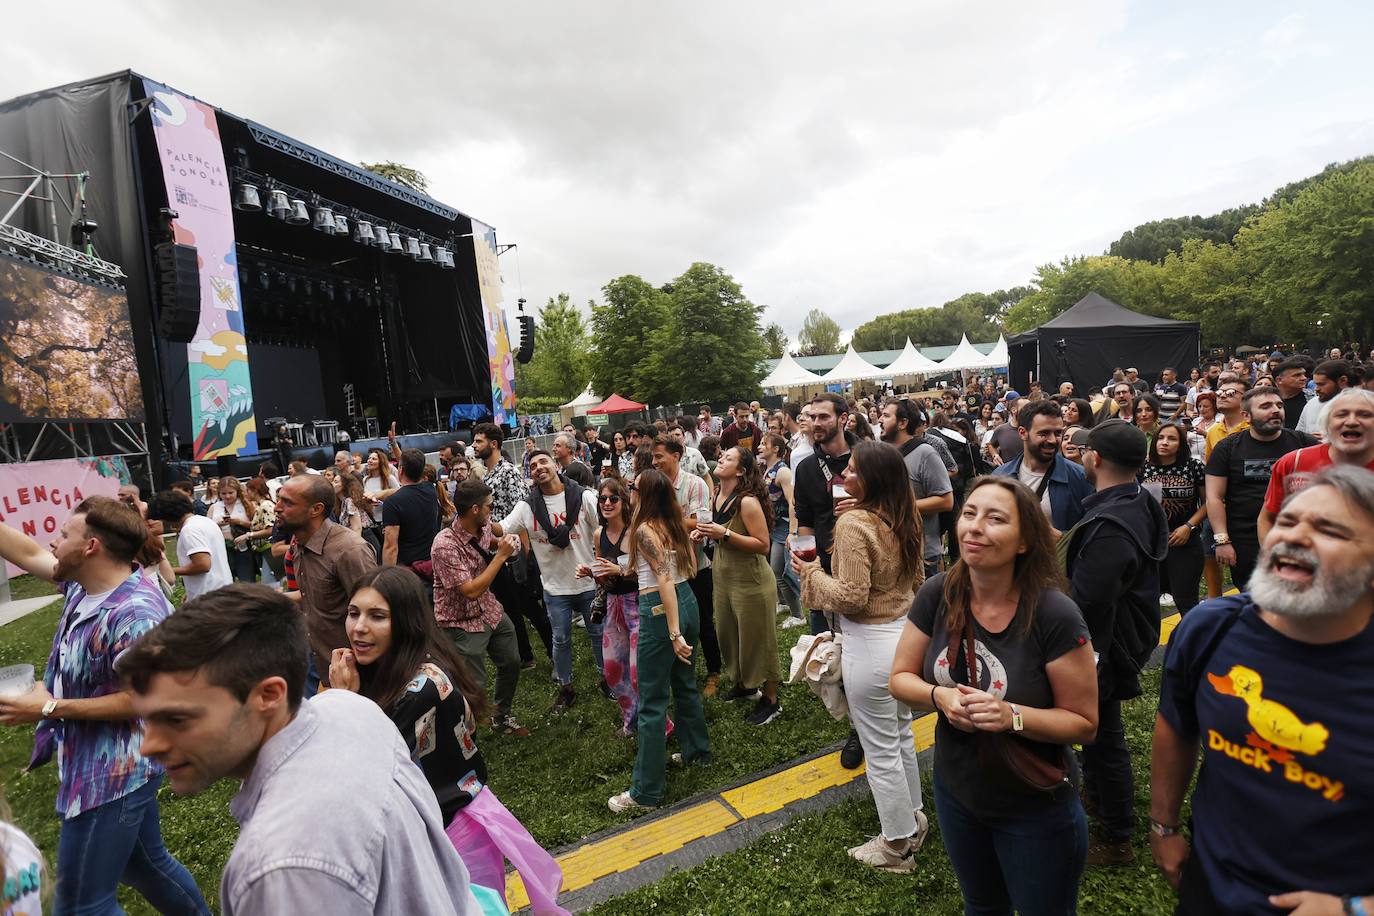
{"x": 662, "y": 672}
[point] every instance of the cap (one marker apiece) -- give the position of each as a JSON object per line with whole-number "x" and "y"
{"x": 1276, "y": 355}
{"x": 1079, "y": 437}
{"x": 1119, "y": 442}
{"x": 1011, "y": 395}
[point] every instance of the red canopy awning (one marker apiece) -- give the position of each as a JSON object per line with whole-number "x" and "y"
{"x": 616, "y": 404}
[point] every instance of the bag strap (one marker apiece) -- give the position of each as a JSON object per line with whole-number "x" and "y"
{"x": 1044, "y": 482}
{"x": 970, "y": 655}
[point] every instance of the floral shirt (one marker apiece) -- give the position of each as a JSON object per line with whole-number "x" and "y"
{"x": 434, "y": 719}
{"x": 457, "y": 560}
{"x": 97, "y": 762}
{"x": 507, "y": 487}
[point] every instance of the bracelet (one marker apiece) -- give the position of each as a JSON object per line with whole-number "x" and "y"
{"x": 674, "y": 636}
{"x": 933, "y": 705}
{"x": 1353, "y": 906}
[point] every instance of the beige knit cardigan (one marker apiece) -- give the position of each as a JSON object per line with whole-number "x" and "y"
{"x": 868, "y": 582}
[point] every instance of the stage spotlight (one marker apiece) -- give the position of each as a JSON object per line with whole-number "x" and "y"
{"x": 445, "y": 258}
{"x": 396, "y": 246}
{"x": 278, "y": 205}
{"x": 324, "y": 220}
{"x": 291, "y": 283}
{"x": 264, "y": 280}
{"x": 340, "y": 224}
{"x": 362, "y": 232}
{"x": 425, "y": 255}
{"x": 381, "y": 238}
{"x": 246, "y": 198}
{"x": 412, "y": 248}
{"x": 299, "y": 215}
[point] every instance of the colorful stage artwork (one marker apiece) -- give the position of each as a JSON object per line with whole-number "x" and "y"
{"x": 36, "y": 497}
{"x": 499, "y": 355}
{"x": 192, "y": 159}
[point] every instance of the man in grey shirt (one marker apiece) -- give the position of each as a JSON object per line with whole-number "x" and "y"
{"x": 929, "y": 480}
{"x": 218, "y": 687}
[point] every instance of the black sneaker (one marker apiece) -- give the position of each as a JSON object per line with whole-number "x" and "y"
{"x": 565, "y": 698}
{"x": 852, "y": 754}
{"x": 764, "y": 712}
{"x": 740, "y": 692}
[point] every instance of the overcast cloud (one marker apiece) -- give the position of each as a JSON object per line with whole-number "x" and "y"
{"x": 859, "y": 157}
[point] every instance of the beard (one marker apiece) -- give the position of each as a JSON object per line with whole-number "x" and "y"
{"x": 1328, "y": 594}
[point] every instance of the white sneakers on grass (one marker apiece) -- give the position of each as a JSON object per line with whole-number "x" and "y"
{"x": 878, "y": 854}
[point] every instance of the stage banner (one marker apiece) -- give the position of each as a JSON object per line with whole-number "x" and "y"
{"x": 501, "y": 360}
{"x": 36, "y": 497}
{"x": 192, "y": 159}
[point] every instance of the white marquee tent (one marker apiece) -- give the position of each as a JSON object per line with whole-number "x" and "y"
{"x": 965, "y": 356}
{"x": 911, "y": 362}
{"x": 788, "y": 373}
{"x": 854, "y": 367}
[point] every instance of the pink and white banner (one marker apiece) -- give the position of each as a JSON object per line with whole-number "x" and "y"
{"x": 36, "y": 497}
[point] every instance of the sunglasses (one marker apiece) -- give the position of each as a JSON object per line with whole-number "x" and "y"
{"x": 608, "y": 498}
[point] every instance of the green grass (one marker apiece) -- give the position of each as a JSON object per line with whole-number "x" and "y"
{"x": 557, "y": 782}
{"x": 803, "y": 868}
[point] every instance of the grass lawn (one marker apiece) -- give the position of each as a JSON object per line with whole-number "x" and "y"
{"x": 803, "y": 868}
{"x": 557, "y": 782}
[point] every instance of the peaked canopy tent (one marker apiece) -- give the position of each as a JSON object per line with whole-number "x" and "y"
{"x": 965, "y": 356}
{"x": 1096, "y": 335}
{"x": 788, "y": 373}
{"x": 617, "y": 404}
{"x": 854, "y": 368}
{"x": 911, "y": 362}
{"x": 998, "y": 358}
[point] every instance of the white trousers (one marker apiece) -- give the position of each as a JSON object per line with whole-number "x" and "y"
{"x": 883, "y": 723}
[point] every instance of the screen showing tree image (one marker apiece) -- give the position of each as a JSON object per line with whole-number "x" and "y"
{"x": 66, "y": 348}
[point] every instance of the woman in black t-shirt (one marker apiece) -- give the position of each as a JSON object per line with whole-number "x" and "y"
{"x": 620, "y": 628}
{"x": 1179, "y": 482}
{"x": 1011, "y": 845}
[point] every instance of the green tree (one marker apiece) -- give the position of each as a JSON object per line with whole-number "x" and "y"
{"x": 820, "y": 334}
{"x": 979, "y": 315}
{"x": 1154, "y": 240}
{"x": 711, "y": 347}
{"x": 621, "y": 327}
{"x": 775, "y": 341}
{"x": 1138, "y": 285}
{"x": 559, "y": 367}
{"x": 400, "y": 173}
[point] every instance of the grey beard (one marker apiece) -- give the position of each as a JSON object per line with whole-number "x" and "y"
{"x": 1328, "y": 595}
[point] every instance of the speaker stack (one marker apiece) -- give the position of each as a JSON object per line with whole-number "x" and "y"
{"x": 178, "y": 290}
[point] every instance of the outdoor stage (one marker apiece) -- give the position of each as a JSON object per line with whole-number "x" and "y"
{"x": 301, "y": 288}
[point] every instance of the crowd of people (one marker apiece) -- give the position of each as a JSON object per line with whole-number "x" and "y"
{"x": 999, "y": 559}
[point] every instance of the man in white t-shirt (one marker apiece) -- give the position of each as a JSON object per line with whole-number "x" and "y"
{"x": 561, "y": 544}
{"x": 203, "y": 559}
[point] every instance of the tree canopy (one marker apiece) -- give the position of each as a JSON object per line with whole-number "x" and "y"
{"x": 559, "y": 367}
{"x": 400, "y": 173}
{"x": 820, "y": 334}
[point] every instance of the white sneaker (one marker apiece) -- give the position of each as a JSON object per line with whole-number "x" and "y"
{"x": 1166, "y": 598}
{"x": 878, "y": 854}
{"x": 922, "y": 828}
{"x": 789, "y": 622}
{"x": 619, "y": 804}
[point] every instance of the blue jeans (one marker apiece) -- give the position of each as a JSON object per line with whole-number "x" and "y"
{"x": 561, "y": 608}
{"x": 1029, "y": 862}
{"x": 120, "y": 841}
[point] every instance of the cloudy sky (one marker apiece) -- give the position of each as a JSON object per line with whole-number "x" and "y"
{"x": 857, "y": 157}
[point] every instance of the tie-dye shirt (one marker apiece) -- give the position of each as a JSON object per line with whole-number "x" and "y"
{"x": 97, "y": 762}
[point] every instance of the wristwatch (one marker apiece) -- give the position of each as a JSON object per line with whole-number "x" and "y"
{"x": 674, "y": 637}
{"x": 1221, "y": 538}
{"x": 1163, "y": 830}
{"x": 726, "y": 536}
{"x": 49, "y": 708}
{"x": 1017, "y": 724}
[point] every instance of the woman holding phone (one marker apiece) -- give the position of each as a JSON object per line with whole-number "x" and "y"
{"x": 664, "y": 558}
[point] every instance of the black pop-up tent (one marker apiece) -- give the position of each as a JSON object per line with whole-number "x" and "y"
{"x": 1096, "y": 335}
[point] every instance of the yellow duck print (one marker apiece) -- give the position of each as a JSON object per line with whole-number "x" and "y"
{"x": 1276, "y": 728}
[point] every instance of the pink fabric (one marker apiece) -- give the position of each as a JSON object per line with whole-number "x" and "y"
{"x": 485, "y": 834}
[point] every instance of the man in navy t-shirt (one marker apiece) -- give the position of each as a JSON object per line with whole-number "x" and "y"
{"x": 1272, "y": 685}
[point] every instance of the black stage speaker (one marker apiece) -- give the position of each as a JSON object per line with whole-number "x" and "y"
{"x": 178, "y": 290}
{"x": 526, "y": 351}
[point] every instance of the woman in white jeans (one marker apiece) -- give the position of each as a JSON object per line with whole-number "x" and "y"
{"x": 876, "y": 567}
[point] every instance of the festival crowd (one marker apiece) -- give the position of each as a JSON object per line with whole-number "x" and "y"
{"x": 998, "y": 558}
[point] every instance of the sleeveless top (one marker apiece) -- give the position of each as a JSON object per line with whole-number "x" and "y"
{"x": 613, "y": 550}
{"x": 648, "y": 579}
{"x": 776, "y": 495}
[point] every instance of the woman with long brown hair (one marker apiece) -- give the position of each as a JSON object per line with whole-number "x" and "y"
{"x": 379, "y": 482}
{"x": 876, "y": 562}
{"x": 662, "y": 553}
{"x": 234, "y": 515}
{"x": 398, "y": 658}
{"x": 745, "y": 592}
{"x": 1014, "y": 830}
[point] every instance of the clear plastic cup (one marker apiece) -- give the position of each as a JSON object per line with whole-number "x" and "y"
{"x": 804, "y": 546}
{"x": 16, "y": 680}
{"x": 837, "y": 490}
{"x": 704, "y": 515}
{"x": 624, "y": 561}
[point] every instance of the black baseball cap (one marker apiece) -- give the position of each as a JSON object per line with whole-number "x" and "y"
{"x": 1120, "y": 443}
